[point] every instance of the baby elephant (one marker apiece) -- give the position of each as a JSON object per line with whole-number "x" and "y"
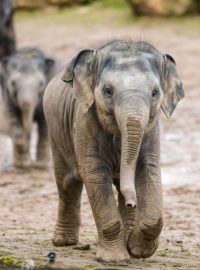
{"x": 102, "y": 113}
{"x": 25, "y": 75}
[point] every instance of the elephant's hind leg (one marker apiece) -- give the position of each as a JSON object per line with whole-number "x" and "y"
{"x": 68, "y": 220}
{"x": 69, "y": 191}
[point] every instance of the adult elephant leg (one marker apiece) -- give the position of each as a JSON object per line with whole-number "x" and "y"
{"x": 98, "y": 180}
{"x": 69, "y": 191}
{"x": 149, "y": 221}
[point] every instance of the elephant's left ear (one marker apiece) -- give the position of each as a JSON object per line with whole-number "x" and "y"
{"x": 172, "y": 87}
{"x": 80, "y": 72}
{"x": 50, "y": 66}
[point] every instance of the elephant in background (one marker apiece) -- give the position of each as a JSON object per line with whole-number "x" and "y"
{"x": 102, "y": 113}
{"x": 7, "y": 33}
{"x": 25, "y": 75}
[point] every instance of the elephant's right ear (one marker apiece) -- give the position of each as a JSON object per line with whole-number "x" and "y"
{"x": 173, "y": 88}
{"x": 50, "y": 66}
{"x": 80, "y": 72}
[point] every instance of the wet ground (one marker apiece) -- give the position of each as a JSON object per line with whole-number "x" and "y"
{"x": 28, "y": 199}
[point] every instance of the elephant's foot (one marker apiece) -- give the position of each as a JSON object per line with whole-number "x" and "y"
{"x": 143, "y": 240}
{"x": 40, "y": 164}
{"x": 22, "y": 163}
{"x": 43, "y": 158}
{"x": 141, "y": 244}
{"x": 43, "y": 154}
{"x": 143, "y": 249}
{"x": 115, "y": 255}
{"x": 21, "y": 157}
{"x": 64, "y": 236}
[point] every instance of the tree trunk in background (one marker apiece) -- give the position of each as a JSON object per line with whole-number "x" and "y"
{"x": 163, "y": 7}
{"x": 197, "y": 6}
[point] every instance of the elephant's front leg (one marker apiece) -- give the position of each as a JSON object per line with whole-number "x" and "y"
{"x": 98, "y": 180}
{"x": 21, "y": 145}
{"x": 42, "y": 146}
{"x": 149, "y": 221}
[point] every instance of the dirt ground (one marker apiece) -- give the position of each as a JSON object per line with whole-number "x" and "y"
{"x": 28, "y": 199}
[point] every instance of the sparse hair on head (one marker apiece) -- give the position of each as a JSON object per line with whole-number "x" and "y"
{"x": 129, "y": 44}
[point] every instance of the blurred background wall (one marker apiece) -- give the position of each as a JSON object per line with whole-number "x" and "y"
{"x": 43, "y": 3}
{"x": 139, "y": 7}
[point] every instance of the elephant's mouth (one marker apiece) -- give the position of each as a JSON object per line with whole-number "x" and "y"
{"x": 108, "y": 122}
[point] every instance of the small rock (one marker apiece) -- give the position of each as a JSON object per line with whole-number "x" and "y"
{"x": 179, "y": 241}
{"x": 52, "y": 256}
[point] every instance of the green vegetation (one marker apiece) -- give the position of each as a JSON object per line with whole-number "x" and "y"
{"x": 7, "y": 261}
{"x": 97, "y": 13}
{"x": 106, "y": 13}
{"x": 120, "y": 4}
{"x": 139, "y": 7}
{"x": 64, "y": 3}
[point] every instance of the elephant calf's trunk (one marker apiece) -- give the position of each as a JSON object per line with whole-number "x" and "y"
{"x": 27, "y": 118}
{"x": 129, "y": 196}
{"x": 132, "y": 130}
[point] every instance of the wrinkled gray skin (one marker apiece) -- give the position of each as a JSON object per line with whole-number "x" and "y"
{"x": 7, "y": 33}
{"x": 25, "y": 76}
{"x": 102, "y": 115}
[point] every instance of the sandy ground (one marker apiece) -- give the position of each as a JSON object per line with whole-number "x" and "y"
{"x": 28, "y": 200}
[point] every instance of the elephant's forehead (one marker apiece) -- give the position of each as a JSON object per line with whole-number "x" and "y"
{"x": 144, "y": 62}
{"x": 136, "y": 64}
{"x": 137, "y": 72}
{"x": 123, "y": 80}
{"x": 26, "y": 65}
{"x": 33, "y": 76}
{"x": 133, "y": 68}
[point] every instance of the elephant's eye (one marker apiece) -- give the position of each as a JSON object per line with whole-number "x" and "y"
{"x": 107, "y": 91}
{"x": 154, "y": 93}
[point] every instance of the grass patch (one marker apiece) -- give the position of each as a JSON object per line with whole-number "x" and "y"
{"x": 163, "y": 254}
{"x": 119, "y": 4}
{"x": 177, "y": 264}
{"x": 8, "y": 261}
{"x": 108, "y": 13}
{"x": 97, "y": 13}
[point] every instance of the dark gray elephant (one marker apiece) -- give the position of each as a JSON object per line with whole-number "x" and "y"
{"x": 7, "y": 33}
{"x": 25, "y": 75}
{"x": 102, "y": 114}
